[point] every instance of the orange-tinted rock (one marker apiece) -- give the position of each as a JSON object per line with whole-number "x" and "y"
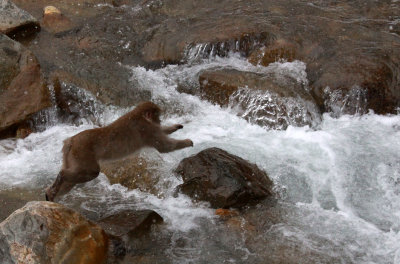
{"x": 226, "y": 212}
{"x": 45, "y": 232}
{"x": 54, "y": 21}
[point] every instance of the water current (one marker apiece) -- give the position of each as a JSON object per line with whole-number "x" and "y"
{"x": 337, "y": 182}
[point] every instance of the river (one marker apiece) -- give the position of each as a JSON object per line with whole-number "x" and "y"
{"x": 337, "y": 182}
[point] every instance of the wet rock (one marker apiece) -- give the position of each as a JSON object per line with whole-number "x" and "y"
{"x": 134, "y": 173}
{"x": 279, "y": 50}
{"x": 265, "y": 99}
{"x": 222, "y": 179}
{"x": 75, "y": 103}
{"x": 22, "y": 89}
{"x": 15, "y": 21}
{"x": 45, "y": 232}
{"x": 54, "y": 21}
{"x": 226, "y": 212}
{"x": 129, "y": 222}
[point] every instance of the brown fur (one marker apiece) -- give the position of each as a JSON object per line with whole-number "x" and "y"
{"x": 136, "y": 129}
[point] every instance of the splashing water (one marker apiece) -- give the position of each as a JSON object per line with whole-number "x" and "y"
{"x": 338, "y": 186}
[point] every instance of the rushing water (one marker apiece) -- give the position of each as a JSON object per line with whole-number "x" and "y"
{"x": 337, "y": 183}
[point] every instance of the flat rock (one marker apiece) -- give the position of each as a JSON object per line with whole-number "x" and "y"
{"x": 45, "y": 232}
{"x": 12, "y": 19}
{"x": 22, "y": 89}
{"x": 223, "y": 179}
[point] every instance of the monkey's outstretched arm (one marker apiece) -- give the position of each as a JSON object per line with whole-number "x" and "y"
{"x": 171, "y": 129}
{"x": 165, "y": 144}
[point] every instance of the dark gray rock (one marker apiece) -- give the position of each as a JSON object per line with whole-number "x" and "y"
{"x": 22, "y": 88}
{"x": 224, "y": 180}
{"x": 129, "y": 222}
{"x": 13, "y": 19}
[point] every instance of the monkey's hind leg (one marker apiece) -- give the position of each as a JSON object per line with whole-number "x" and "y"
{"x": 59, "y": 187}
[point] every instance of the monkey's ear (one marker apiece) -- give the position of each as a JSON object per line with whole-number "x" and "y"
{"x": 148, "y": 116}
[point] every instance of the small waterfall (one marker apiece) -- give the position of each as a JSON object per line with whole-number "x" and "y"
{"x": 243, "y": 45}
{"x": 340, "y": 102}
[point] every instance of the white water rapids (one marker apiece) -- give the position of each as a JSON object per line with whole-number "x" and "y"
{"x": 339, "y": 181}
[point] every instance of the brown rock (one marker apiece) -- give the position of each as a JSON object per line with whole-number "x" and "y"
{"x": 23, "y": 91}
{"x": 45, "y": 232}
{"x": 224, "y": 180}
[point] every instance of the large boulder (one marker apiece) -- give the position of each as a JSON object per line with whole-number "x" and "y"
{"x": 22, "y": 89}
{"x": 45, "y": 232}
{"x": 224, "y": 180}
{"x": 13, "y": 19}
{"x": 263, "y": 98}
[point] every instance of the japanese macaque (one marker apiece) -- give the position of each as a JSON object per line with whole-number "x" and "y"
{"x": 137, "y": 129}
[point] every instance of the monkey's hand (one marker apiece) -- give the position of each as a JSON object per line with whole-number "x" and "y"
{"x": 171, "y": 129}
{"x": 188, "y": 142}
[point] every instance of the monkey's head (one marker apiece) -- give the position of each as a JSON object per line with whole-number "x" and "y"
{"x": 149, "y": 111}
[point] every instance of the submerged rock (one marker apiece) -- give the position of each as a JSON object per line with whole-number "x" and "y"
{"x": 13, "y": 20}
{"x": 134, "y": 173}
{"x": 224, "y": 180}
{"x": 265, "y": 99}
{"x": 45, "y": 232}
{"x": 129, "y": 222}
{"x": 22, "y": 89}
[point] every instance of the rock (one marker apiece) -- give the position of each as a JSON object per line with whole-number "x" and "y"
{"x": 45, "y": 232}
{"x": 75, "y": 103}
{"x": 14, "y": 20}
{"x": 279, "y": 50}
{"x": 129, "y": 222}
{"x": 54, "y": 21}
{"x": 226, "y": 212}
{"x": 224, "y": 180}
{"x": 22, "y": 90}
{"x": 134, "y": 173}
{"x": 264, "y": 99}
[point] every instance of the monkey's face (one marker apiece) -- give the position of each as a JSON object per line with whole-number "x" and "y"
{"x": 156, "y": 117}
